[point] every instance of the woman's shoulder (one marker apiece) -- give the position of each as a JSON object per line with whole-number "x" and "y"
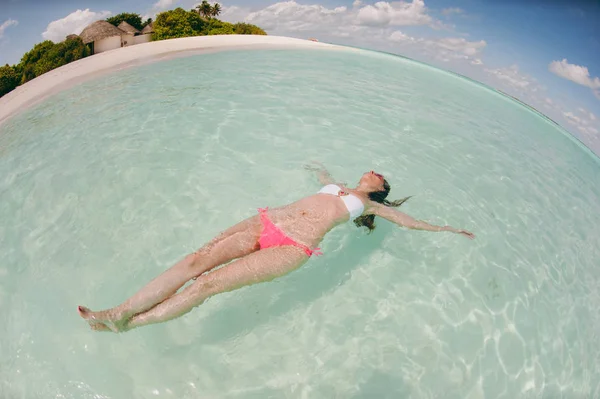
{"x": 371, "y": 207}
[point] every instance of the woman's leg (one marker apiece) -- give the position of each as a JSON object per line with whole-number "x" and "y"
{"x": 233, "y": 243}
{"x": 260, "y": 266}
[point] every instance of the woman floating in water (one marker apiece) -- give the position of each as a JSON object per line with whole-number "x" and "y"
{"x": 266, "y": 246}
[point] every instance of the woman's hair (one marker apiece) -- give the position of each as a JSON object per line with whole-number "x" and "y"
{"x": 378, "y": 196}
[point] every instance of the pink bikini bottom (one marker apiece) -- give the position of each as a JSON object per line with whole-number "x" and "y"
{"x": 272, "y": 236}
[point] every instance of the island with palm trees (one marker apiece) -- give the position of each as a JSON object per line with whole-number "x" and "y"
{"x": 122, "y": 30}
{"x": 199, "y": 21}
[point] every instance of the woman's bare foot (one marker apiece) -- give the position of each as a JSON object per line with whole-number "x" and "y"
{"x": 100, "y": 321}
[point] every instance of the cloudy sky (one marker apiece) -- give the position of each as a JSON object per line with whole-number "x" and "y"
{"x": 546, "y": 53}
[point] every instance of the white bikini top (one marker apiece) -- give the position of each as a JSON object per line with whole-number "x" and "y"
{"x": 353, "y": 203}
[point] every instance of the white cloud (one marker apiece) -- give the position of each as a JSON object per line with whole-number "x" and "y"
{"x": 575, "y": 73}
{"x": 548, "y": 103}
{"x": 400, "y": 37}
{"x": 584, "y": 122}
{"x": 290, "y": 16}
{"x": 370, "y": 25}
{"x": 233, "y": 14}
{"x": 572, "y": 118}
{"x": 452, "y": 10}
{"x": 383, "y": 13}
{"x": 75, "y": 22}
{"x": 456, "y": 48}
{"x": 355, "y": 31}
{"x": 444, "y": 49}
{"x": 514, "y": 78}
{"x": 587, "y": 115}
{"x": 461, "y": 45}
{"x": 6, "y": 24}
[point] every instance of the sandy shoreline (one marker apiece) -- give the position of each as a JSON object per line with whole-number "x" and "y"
{"x": 88, "y": 68}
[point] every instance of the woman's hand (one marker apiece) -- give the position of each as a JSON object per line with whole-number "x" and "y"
{"x": 322, "y": 173}
{"x": 315, "y": 166}
{"x": 311, "y": 168}
{"x": 465, "y": 233}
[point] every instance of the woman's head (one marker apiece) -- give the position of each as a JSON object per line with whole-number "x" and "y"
{"x": 371, "y": 181}
{"x": 377, "y": 188}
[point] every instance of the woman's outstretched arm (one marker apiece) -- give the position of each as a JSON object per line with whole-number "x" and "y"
{"x": 404, "y": 220}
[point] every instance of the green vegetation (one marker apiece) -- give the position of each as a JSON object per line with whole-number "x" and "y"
{"x": 247, "y": 29}
{"x": 132, "y": 19}
{"x": 9, "y": 79}
{"x": 177, "y": 23}
{"x": 180, "y": 23}
{"x": 216, "y": 27}
{"x": 46, "y": 56}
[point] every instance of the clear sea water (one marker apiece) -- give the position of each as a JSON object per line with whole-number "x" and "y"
{"x": 106, "y": 184}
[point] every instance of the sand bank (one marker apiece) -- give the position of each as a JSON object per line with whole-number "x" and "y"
{"x": 79, "y": 71}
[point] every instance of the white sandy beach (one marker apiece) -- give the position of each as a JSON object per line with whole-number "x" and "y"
{"x": 76, "y": 72}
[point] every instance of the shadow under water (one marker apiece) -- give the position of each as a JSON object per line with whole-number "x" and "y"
{"x": 265, "y": 301}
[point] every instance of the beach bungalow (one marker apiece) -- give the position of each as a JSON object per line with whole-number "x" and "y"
{"x": 148, "y": 29}
{"x": 132, "y": 35}
{"x": 102, "y": 36}
{"x": 129, "y": 33}
{"x": 145, "y": 35}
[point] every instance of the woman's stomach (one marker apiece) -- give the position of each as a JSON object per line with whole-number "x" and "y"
{"x": 309, "y": 219}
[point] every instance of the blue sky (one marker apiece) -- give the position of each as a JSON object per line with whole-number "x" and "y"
{"x": 545, "y": 53}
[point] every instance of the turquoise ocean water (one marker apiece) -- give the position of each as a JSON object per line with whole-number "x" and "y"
{"x": 105, "y": 185}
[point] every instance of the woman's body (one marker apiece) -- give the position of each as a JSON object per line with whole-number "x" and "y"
{"x": 265, "y": 246}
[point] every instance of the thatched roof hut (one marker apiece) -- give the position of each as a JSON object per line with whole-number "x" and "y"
{"x": 72, "y": 36}
{"x": 99, "y": 30}
{"x": 148, "y": 28}
{"x": 126, "y": 27}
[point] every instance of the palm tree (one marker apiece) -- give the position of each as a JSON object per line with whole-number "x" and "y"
{"x": 216, "y": 10}
{"x": 204, "y": 9}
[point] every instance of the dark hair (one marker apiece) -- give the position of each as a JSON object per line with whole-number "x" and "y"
{"x": 378, "y": 196}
